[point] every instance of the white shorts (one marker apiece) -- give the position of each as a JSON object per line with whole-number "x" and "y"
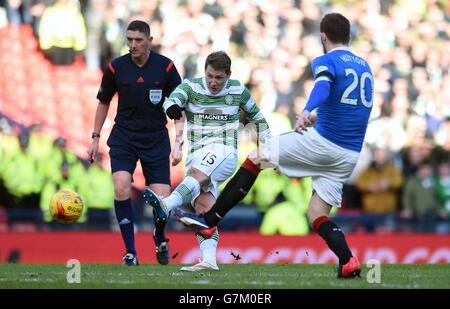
{"x": 217, "y": 161}
{"x": 310, "y": 154}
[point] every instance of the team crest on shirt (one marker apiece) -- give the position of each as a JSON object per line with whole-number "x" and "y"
{"x": 155, "y": 96}
{"x": 228, "y": 99}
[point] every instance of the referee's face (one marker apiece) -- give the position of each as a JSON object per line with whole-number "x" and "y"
{"x": 215, "y": 79}
{"x": 138, "y": 44}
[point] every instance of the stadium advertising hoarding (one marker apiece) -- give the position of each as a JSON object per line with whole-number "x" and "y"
{"x": 234, "y": 247}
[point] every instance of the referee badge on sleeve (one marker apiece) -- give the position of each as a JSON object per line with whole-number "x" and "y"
{"x": 155, "y": 96}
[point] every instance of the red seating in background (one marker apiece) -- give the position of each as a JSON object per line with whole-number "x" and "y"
{"x": 63, "y": 98}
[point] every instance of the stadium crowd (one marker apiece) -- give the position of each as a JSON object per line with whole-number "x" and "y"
{"x": 402, "y": 181}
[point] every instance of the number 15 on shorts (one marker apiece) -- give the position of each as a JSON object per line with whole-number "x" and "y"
{"x": 209, "y": 159}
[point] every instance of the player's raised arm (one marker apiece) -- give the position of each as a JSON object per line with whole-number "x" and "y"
{"x": 318, "y": 95}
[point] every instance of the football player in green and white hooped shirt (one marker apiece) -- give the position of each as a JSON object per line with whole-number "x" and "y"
{"x": 212, "y": 107}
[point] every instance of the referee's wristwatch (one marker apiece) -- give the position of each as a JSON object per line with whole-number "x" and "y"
{"x": 180, "y": 141}
{"x": 95, "y": 134}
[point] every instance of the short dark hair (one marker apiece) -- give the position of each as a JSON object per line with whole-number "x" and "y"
{"x": 139, "y": 25}
{"x": 219, "y": 60}
{"x": 336, "y": 27}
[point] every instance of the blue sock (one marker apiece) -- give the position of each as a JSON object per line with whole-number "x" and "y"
{"x": 124, "y": 215}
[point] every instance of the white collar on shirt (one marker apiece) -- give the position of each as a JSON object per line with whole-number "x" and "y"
{"x": 343, "y": 47}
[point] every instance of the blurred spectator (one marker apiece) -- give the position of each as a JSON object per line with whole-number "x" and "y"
{"x": 441, "y": 151}
{"x": 65, "y": 181}
{"x": 380, "y": 186}
{"x": 95, "y": 38}
{"x": 8, "y": 145}
{"x": 100, "y": 195}
{"x": 386, "y": 132}
{"x": 18, "y": 11}
{"x": 40, "y": 144}
{"x": 421, "y": 206}
{"x": 443, "y": 188}
{"x": 51, "y": 166}
{"x": 412, "y": 158}
{"x": 287, "y": 215}
{"x": 62, "y": 32}
{"x": 267, "y": 187}
{"x": 21, "y": 176}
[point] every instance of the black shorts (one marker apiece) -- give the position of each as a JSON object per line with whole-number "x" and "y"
{"x": 151, "y": 148}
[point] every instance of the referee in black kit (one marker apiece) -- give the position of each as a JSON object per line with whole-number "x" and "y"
{"x": 142, "y": 78}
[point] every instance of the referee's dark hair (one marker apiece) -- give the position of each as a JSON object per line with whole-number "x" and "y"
{"x": 337, "y": 28}
{"x": 219, "y": 60}
{"x": 139, "y": 25}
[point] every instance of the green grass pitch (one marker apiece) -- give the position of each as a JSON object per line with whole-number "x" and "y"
{"x": 230, "y": 276}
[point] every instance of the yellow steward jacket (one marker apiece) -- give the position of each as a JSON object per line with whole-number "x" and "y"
{"x": 381, "y": 201}
{"x": 62, "y": 26}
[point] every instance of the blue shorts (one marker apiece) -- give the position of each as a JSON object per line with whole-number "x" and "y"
{"x": 151, "y": 148}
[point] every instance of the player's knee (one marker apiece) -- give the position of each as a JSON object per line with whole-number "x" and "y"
{"x": 204, "y": 202}
{"x": 122, "y": 190}
{"x": 201, "y": 208}
{"x": 258, "y": 158}
{"x": 198, "y": 175}
{"x": 121, "y": 193}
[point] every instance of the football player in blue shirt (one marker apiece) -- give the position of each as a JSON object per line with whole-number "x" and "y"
{"x": 142, "y": 79}
{"x": 325, "y": 147}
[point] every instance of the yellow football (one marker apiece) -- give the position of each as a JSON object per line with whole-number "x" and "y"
{"x": 66, "y": 206}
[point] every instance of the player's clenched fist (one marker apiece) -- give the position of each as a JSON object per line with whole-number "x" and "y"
{"x": 174, "y": 112}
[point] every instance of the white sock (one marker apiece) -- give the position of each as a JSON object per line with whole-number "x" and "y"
{"x": 174, "y": 200}
{"x": 208, "y": 246}
{"x": 187, "y": 191}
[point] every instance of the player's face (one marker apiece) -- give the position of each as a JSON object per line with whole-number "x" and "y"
{"x": 215, "y": 79}
{"x": 138, "y": 44}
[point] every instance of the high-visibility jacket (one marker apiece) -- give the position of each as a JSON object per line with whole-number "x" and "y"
{"x": 62, "y": 26}
{"x": 285, "y": 219}
{"x": 100, "y": 193}
{"x": 21, "y": 176}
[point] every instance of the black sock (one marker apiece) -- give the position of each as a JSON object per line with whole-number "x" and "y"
{"x": 335, "y": 239}
{"x": 159, "y": 227}
{"x": 235, "y": 190}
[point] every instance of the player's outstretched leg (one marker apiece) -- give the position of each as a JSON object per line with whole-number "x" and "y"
{"x": 150, "y": 198}
{"x": 235, "y": 190}
{"x": 185, "y": 192}
{"x": 195, "y": 221}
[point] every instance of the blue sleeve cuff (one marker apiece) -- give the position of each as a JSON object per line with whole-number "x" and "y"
{"x": 318, "y": 95}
